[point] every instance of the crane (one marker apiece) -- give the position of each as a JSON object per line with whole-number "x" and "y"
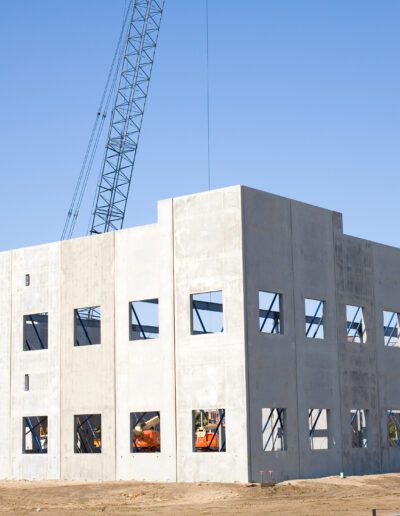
{"x": 132, "y": 64}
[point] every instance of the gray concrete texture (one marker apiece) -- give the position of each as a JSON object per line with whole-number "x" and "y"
{"x": 236, "y": 240}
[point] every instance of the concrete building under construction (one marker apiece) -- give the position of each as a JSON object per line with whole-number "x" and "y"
{"x": 243, "y": 332}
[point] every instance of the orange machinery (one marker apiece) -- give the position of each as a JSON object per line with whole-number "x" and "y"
{"x": 145, "y": 437}
{"x": 206, "y": 433}
{"x": 206, "y": 438}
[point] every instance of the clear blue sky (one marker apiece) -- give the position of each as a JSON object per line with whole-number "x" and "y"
{"x": 305, "y": 103}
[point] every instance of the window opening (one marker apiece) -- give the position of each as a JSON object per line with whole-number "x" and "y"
{"x": 269, "y": 312}
{"x": 359, "y": 428}
{"x": 34, "y": 434}
{"x": 393, "y": 424}
{"x": 27, "y": 280}
{"x": 274, "y": 429}
{"x": 145, "y": 432}
{"x": 87, "y": 433}
{"x": 87, "y": 326}
{"x": 314, "y": 313}
{"x": 209, "y": 430}
{"x": 356, "y": 331}
{"x": 391, "y": 329}
{"x": 318, "y": 429}
{"x": 143, "y": 319}
{"x": 35, "y": 331}
{"x": 27, "y": 382}
{"x": 207, "y": 313}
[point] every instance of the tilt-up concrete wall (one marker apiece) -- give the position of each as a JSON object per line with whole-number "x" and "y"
{"x": 238, "y": 241}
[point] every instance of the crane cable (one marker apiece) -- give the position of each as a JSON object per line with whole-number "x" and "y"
{"x": 98, "y": 125}
{"x": 208, "y": 96}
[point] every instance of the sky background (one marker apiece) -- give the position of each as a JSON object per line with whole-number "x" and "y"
{"x": 304, "y": 103}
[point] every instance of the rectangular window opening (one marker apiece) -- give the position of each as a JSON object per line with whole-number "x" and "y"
{"x": 34, "y": 434}
{"x": 355, "y": 325}
{"x": 36, "y": 329}
{"x": 393, "y": 426}
{"x": 209, "y": 430}
{"x": 391, "y": 329}
{"x": 318, "y": 430}
{"x": 87, "y": 431}
{"x": 314, "y": 315}
{"x": 27, "y": 382}
{"x": 143, "y": 316}
{"x": 27, "y": 280}
{"x": 269, "y": 312}
{"x": 359, "y": 428}
{"x": 273, "y": 429}
{"x": 145, "y": 432}
{"x": 207, "y": 313}
{"x": 87, "y": 326}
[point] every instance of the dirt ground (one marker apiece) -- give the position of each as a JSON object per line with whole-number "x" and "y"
{"x": 353, "y": 496}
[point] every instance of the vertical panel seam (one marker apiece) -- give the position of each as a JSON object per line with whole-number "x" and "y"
{"x": 338, "y": 348}
{"x": 246, "y": 335}
{"x": 295, "y": 338}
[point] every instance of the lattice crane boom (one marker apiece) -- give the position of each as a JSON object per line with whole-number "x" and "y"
{"x": 129, "y": 76}
{"x": 127, "y": 116}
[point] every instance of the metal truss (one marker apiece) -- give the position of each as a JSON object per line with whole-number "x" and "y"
{"x": 127, "y": 116}
{"x": 356, "y": 327}
{"x": 91, "y": 442}
{"x": 84, "y": 317}
{"x": 143, "y": 330}
{"x": 318, "y": 433}
{"x": 315, "y": 320}
{"x": 205, "y": 306}
{"x": 271, "y": 313}
{"x": 391, "y": 333}
{"x": 34, "y": 321}
{"x": 275, "y": 428}
{"x": 39, "y": 444}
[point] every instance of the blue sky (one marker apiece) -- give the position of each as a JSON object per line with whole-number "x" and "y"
{"x": 304, "y": 103}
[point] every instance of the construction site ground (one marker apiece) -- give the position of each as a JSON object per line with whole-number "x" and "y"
{"x": 332, "y": 495}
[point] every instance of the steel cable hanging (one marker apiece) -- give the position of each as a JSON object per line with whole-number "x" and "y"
{"x": 98, "y": 125}
{"x": 208, "y": 93}
{"x": 99, "y": 133}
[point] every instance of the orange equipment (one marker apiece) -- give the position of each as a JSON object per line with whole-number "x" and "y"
{"x": 145, "y": 438}
{"x": 149, "y": 439}
{"x": 206, "y": 438}
{"x": 207, "y": 431}
{"x": 97, "y": 438}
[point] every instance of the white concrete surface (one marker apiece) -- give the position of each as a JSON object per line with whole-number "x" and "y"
{"x": 236, "y": 240}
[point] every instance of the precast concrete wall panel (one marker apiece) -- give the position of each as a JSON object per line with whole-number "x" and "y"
{"x": 42, "y": 263}
{"x": 267, "y": 245}
{"x": 317, "y": 358}
{"x": 357, "y": 361}
{"x": 145, "y": 368}
{"x": 88, "y": 372}
{"x": 210, "y": 368}
{"x": 386, "y": 261}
